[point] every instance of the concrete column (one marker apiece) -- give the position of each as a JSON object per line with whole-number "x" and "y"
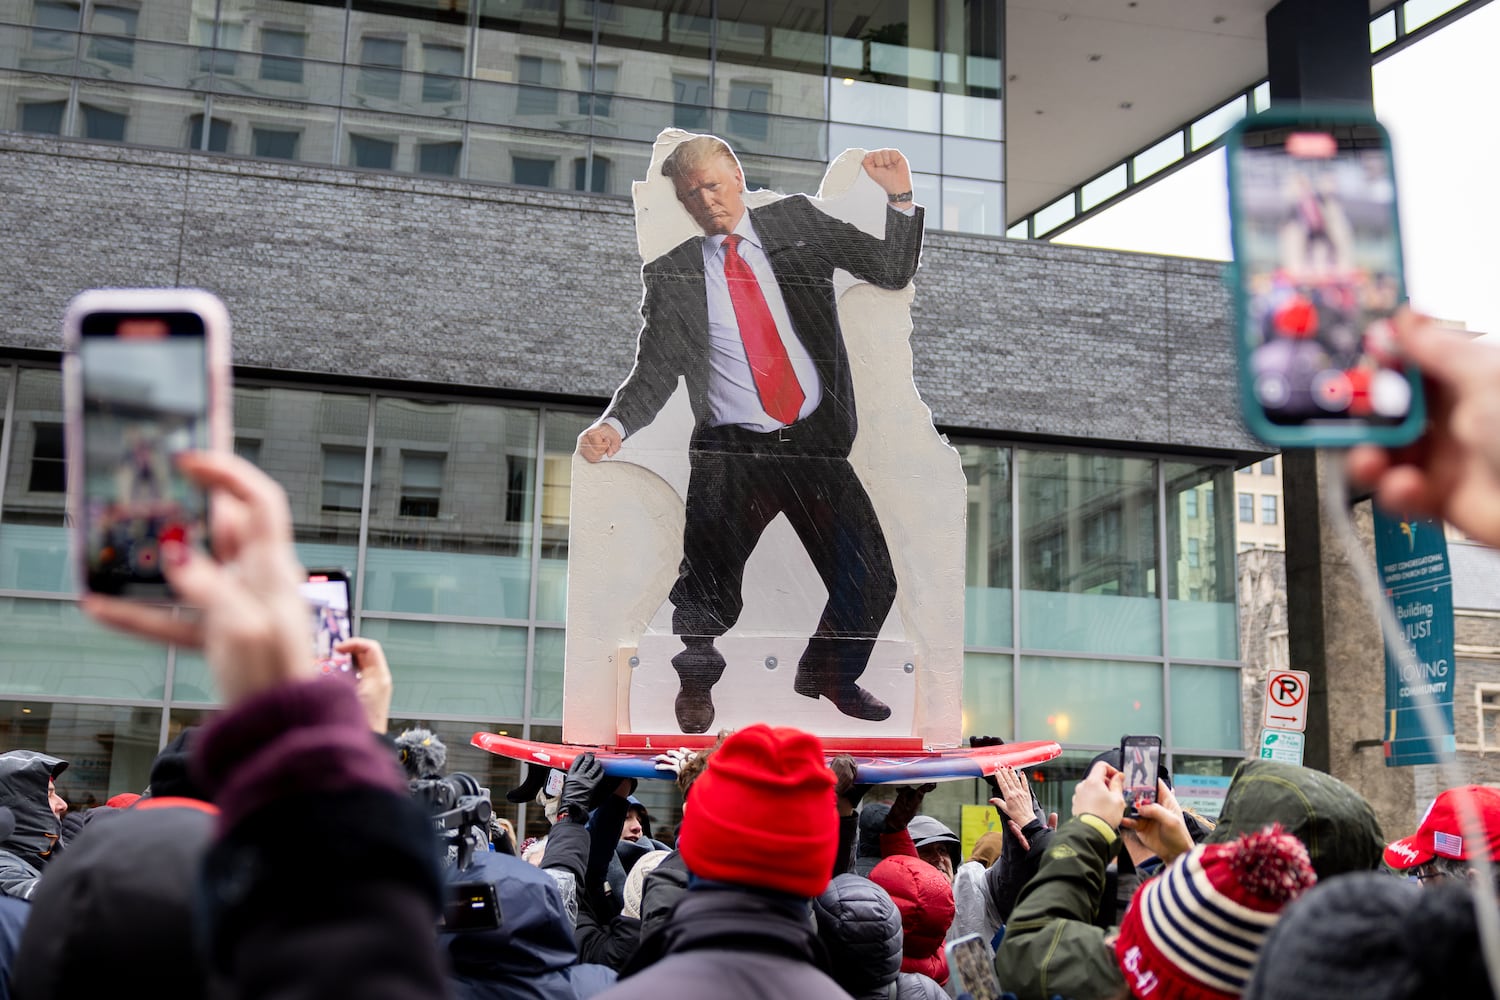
{"x": 1334, "y": 636}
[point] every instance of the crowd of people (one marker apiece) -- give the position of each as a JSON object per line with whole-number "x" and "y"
{"x": 291, "y": 848}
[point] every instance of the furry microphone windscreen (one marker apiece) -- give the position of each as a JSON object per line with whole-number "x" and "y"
{"x": 422, "y": 754}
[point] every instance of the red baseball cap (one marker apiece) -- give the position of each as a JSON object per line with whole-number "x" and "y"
{"x": 1441, "y": 833}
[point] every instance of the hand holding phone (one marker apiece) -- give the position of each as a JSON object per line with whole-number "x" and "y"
{"x": 327, "y": 594}
{"x": 1317, "y": 249}
{"x": 147, "y": 379}
{"x": 1140, "y": 759}
{"x": 972, "y": 962}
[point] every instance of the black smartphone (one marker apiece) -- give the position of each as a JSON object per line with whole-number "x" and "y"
{"x": 1140, "y": 758}
{"x": 970, "y": 959}
{"x": 147, "y": 377}
{"x": 470, "y": 906}
{"x": 327, "y": 594}
{"x": 1317, "y": 276}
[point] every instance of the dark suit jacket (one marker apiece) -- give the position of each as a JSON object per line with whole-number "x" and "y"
{"x": 804, "y": 246}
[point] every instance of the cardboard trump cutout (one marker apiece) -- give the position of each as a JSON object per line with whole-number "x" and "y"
{"x": 765, "y": 524}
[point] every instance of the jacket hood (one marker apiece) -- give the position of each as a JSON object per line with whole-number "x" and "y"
{"x": 925, "y": 900}
{"x": 860, "y": 927}
{"x": 1334, "y": 821}
{"x": 24, "y": 775}
{"x": 867, "y": 844}
{"x": 928, "y": 832}
{"x": 534, "y": 941}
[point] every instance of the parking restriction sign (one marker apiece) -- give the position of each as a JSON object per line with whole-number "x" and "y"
{"x": 1286, "y": 700}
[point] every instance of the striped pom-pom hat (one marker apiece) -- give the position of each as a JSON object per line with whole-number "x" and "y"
{"x": 1194, "y": 931}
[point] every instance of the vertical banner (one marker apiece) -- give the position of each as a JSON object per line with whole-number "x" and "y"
{"x": 1412, "y": 556}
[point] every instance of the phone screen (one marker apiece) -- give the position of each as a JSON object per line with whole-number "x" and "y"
{"x": 327, "y": 596}
{"x": 145, "y": 399}
{"x": 471, "y": 906}
{"x": 1140, "y": 757}
{"x": 1319, "y": 253}
{"x": 973, "y": 962}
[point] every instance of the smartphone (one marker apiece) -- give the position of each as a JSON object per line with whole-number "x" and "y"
{"x": 470, "y": 906}
{"x": 1317, "y": 274}
{"x": 327, "y": 594}
{"x": 970, "y": 959}
{"x": 147, "y": 377}
{"x": 1140, "y": 758}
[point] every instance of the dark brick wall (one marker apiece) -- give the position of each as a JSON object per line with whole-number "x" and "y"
{"x": 347, "y": 273}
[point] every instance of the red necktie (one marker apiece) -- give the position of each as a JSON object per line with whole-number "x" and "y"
{"x": 780, "y": 392}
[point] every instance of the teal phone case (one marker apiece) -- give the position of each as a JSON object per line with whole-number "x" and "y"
{"x": 1332, "y": 433}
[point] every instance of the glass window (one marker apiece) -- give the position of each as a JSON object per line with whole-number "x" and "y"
{"x": 547, "y": 675}
{"x": 421, "y": 484}
{"x": 533, "y": 170}
{"x": 282, "y": 59}
{"x": 1268, "y": 509}
{"x": 43, "y": 116}
{"x": 314, "y": 444}
{"x": 1104, "y": 187}
{"x": 33, "y": 539}
{"x": 381, "y": 60}
{"x": 53, "y": 648}
{"x": 591, "y": 173}
{"x": 562, "y": 430}
{"x": 371, "y": 151}
{"x": 1088, "y": 701}
{"x": 972, "y": 206}
{"x": 1088, "y": 552}
{"x": 987, "y": 594}
{"x": 62, "y": 17}
{"x": 1206, "y": 707}
{"x": 783, "y": 45}
{"x": 109, "y": 749}
{"x": 474, "y": 559}
{"x": 603, "y": 80}
{"x": 1202, "y": 616}
{"x": 117, "y": 21}
{"x": 276, "y": 144}
{"x": 450, "y": 669}
{"x": 690, "y": 100}
{"x": 102, "y": 124}
{"x": 1247, "y": 508}
{"x": 989, "y": 695}
{"x": 1268, "y": 467}
{"x": 748, "y": 104}
{"x": 443, "y": 67}
{"x": 218, "y": 135}
{"x": 439, "y": 158}
{"x": 1160, "y": 156}
{"x": 543, "y": 77}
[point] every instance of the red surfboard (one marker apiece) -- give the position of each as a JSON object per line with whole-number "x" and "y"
{"x": 879, "y": 761}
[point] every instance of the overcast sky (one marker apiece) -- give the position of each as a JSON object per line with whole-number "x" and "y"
{"x": 1438, "y": 99}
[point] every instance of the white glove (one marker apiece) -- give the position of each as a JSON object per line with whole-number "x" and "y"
{"x": 673, "y": 761}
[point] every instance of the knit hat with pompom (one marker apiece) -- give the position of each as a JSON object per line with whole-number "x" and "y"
{"x": 1193, "y": 932}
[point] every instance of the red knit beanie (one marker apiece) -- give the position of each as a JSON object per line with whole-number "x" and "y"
{"x": 763, "y": 814}
{"x": 1193, "y": 932}
{"x": 925, "y": 900}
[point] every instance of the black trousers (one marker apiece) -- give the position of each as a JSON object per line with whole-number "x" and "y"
{"x": 740, "y": 481}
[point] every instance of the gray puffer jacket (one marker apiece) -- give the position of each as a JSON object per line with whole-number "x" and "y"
{"x": 860, "y": 928}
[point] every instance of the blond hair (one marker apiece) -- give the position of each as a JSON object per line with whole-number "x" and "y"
{"x": 692, "y": 154}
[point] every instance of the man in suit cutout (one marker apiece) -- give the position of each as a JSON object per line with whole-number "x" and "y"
{"x": 746, "y": 315}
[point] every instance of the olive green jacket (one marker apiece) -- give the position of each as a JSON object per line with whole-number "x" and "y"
{"x": 1051, "y": 948}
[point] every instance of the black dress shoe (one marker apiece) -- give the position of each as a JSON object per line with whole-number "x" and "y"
{"x": 695, "y": 708}
{"x": 849, "y": 698}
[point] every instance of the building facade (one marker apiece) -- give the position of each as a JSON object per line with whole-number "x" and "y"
{"x": 417, "y": 350}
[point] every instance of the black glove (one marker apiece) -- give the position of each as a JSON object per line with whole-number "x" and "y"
{"x": 584, "y": 778}
{"x": 845, "y": 770}
{"x": 989, "y": 741}
{"x": 908, "y": 803}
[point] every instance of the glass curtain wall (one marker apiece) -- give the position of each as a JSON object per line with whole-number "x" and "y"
{"x": 451, "y": 518}
{"x": 564, "y": 94}
{"x": 1100, "y": 593}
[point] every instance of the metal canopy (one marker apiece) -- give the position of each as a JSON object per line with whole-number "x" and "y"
{"x": 1091, "y": 81}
